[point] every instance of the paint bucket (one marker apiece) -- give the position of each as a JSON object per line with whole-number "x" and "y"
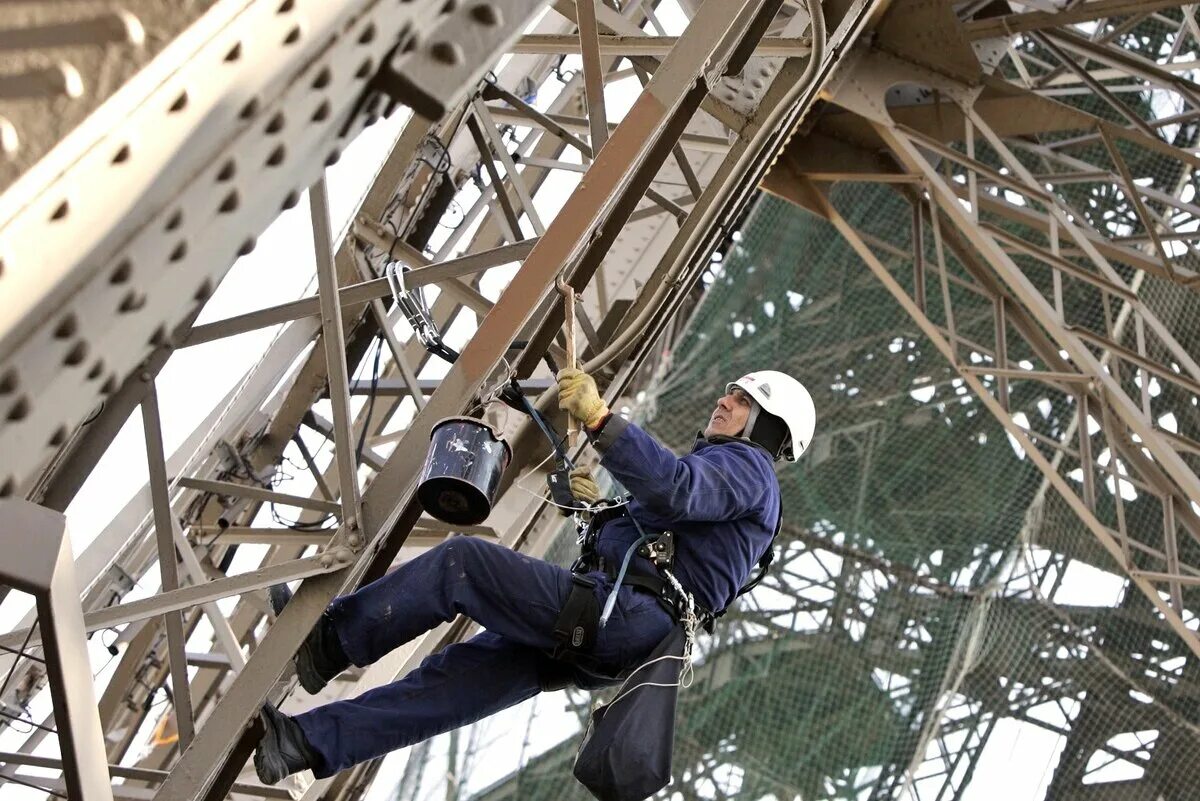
{"x": 462, "y": 470}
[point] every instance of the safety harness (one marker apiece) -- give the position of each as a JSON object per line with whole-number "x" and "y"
{"x": 578, "y": 622}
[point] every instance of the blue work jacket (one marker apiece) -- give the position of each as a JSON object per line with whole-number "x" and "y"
{"x": 721, "y": 500}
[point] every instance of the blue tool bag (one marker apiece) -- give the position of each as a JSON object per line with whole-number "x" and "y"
{"x": 626, "y": 751}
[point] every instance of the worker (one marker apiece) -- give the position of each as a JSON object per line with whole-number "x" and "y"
{"x": 541, "y": 621}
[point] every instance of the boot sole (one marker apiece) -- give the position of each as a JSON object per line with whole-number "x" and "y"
{"x": 268, "y": 764}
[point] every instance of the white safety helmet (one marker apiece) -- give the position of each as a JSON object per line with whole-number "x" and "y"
{"x": 784, "y": 397}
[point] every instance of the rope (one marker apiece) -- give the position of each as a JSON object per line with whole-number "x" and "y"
{"x": 686, "y": 671}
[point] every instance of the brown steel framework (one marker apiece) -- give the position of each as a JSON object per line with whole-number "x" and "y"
{"x": 252, "y": 100}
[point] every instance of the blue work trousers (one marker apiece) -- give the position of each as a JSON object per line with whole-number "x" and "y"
{"x": 517, "y": 599}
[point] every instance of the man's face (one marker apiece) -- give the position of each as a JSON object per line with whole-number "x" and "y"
{"x": 729, "y": 418}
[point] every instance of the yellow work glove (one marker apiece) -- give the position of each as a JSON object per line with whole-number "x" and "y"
{"x": 578, "y": 396}
{"x": 583, "y": 486}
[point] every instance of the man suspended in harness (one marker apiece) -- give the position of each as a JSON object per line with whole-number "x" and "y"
{"x": 720, "y": 503}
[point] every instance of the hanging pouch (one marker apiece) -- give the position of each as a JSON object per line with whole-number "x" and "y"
{"x": 626, "y": 751}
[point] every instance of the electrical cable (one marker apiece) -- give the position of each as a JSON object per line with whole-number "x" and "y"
{"x": 38, "y": 787}
{"x": 278, "y": 478}
{"x": 13, "y": 668}
{"x": 362, "y": 435}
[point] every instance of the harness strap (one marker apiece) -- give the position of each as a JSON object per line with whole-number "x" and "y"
{"x": 578, "y": 621}
{"x": 669, "y": 598}
{"x": 764, "y": 564}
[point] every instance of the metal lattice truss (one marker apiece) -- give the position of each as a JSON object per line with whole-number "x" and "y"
{"x": 824, "y": 598}
{"x": 129, "y": 195}
{"x": 961, "y": 198}
{"x": 1048, "y": 174}
{"x": 1047, "y": 155}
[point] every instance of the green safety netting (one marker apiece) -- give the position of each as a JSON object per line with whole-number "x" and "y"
{"x": 939, "y": 624}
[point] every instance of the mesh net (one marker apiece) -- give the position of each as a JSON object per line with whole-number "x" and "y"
{"x": 939, "y": 623}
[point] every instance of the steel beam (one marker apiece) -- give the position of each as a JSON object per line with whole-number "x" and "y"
{"x": 118, "y": 267}
{"x": 335, "y": 360}
{"x": 140, "y": 774}
{"x": 168, "y": 563}
{"x": 593, "y": 73}
{"x": 195, "y": 595}
{"x": 624, "y": 45}
{"x": 38, "y": 561}
{"x": 387, "y": 501}
{"x": 1013, "y": 24}
{"x": 228, "y": 488}
{"x": 365, "y": 291}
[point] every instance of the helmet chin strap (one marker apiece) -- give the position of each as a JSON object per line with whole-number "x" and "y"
{"x": 750, "y": 419}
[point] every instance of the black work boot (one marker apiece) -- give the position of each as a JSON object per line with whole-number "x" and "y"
{"x": 321, "y": 657}
{"x": 283, "y": 749}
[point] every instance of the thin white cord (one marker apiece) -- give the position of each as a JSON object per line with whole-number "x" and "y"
{"x": 686, "y": 671}
{"x": 542, "y": 497}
